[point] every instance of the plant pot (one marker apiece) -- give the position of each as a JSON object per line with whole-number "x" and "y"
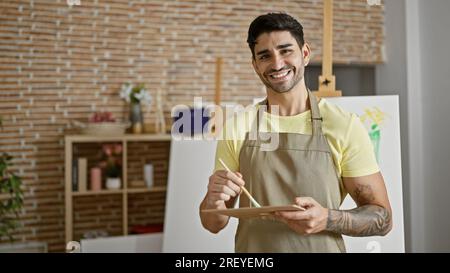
{"x": 113, "y": 183}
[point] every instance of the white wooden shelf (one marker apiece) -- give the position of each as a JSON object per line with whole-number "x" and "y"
{"x": 87, "y": 193}
{"x": 132, "y": 190}
{"x": 126, "y": 137}
{"x": 153, "y": 189}
{"x": 70, "y": 140}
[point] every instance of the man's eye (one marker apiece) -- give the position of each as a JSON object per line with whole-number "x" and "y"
{"x": 263, "y": 57}
{"x": 285, "y": 51}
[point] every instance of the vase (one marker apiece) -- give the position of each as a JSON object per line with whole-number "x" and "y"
{"x": 113, "y": 183}
{"x": 148, "y": 175}
{"x": 96, "y": 179}
{"x": 136, "y": 118}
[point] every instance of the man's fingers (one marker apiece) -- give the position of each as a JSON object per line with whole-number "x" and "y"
{"x": 221, "y": 173}
{"x": 236, "y": 179}
{"x": 295, "y": 215}
{"x": 231, "y": 176}
{"x": 219, "y": 188}
{"x": 228, "y": 183}
{"x": 220, "y": 196}
{"x": 305, "y": 202}
{"x": 276, "y": 216}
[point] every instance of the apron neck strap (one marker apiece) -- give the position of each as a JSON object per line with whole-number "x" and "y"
{"x": 264, "y": 105}
{"x": 316, "y": 118}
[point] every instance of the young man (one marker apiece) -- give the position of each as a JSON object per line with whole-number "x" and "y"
{"x": 323, "y": 153}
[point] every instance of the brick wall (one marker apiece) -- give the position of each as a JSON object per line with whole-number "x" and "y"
{"x": 60, "y": 63}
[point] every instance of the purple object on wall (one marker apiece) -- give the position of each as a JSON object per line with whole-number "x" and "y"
{"x": 197, "y": 118}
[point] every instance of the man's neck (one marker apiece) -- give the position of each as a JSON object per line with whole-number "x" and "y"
{"x": 290, "y": 103}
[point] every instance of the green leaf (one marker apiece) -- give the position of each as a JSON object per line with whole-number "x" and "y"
{"x": 10, "y": 184}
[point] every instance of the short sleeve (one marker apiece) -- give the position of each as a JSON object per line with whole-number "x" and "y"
{"x": 358, "y": 157}
{"x": 226, "y": 148}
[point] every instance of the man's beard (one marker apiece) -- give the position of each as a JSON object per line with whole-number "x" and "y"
{"x": 282, "y": 87}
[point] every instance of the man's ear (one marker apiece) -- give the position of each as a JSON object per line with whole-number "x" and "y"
{"x": 306, "y": 52}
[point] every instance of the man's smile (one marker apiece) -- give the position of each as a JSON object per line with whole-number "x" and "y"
{"x": 280, "y": 76}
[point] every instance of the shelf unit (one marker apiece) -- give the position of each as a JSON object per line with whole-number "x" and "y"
{"x": 71, "y": 140}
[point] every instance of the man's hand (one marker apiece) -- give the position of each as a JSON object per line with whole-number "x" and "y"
{"x": 372, "y": 217}
{"x": 223, "y": 186}
{"x": 312, "y": 220}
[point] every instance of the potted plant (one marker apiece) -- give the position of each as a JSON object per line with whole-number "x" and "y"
{"x": 135, "y": 95}
{"x": 11, "y": 202}
{"x": 11, "y": 196}
{"x": 112, "y": 165}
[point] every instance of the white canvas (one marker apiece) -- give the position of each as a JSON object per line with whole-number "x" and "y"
{"x": 191, "y": 164}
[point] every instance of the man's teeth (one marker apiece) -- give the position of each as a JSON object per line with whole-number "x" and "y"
{"x": 279, "y": 75}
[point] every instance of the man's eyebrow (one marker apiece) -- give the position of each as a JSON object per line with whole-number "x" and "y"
{"x": 284, "y": 46}
{"x": 278, "y": 47}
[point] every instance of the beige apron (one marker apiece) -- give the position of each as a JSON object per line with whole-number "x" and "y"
{"x": 302, "y": 166}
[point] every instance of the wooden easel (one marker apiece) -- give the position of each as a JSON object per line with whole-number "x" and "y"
{"x": 219, "y": 62}
{"x": 327, "y": 81}
{"x": 215, "y": 126}
{"x": 160, "y": 121}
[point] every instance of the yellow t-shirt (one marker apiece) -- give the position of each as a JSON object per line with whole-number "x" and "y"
{"x": 349, "y": 141}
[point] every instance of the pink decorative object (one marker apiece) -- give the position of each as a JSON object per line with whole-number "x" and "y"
{"x": 96, "y": 179}
{"x": 111, "y": 160}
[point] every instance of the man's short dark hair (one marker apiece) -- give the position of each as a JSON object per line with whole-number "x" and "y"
{"x": 274, "y": 22}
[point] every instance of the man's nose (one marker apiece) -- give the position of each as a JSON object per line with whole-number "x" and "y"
{"x": 278, "y": 62}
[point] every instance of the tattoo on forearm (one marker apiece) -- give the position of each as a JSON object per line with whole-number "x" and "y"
{"x": 366, "y": 220}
